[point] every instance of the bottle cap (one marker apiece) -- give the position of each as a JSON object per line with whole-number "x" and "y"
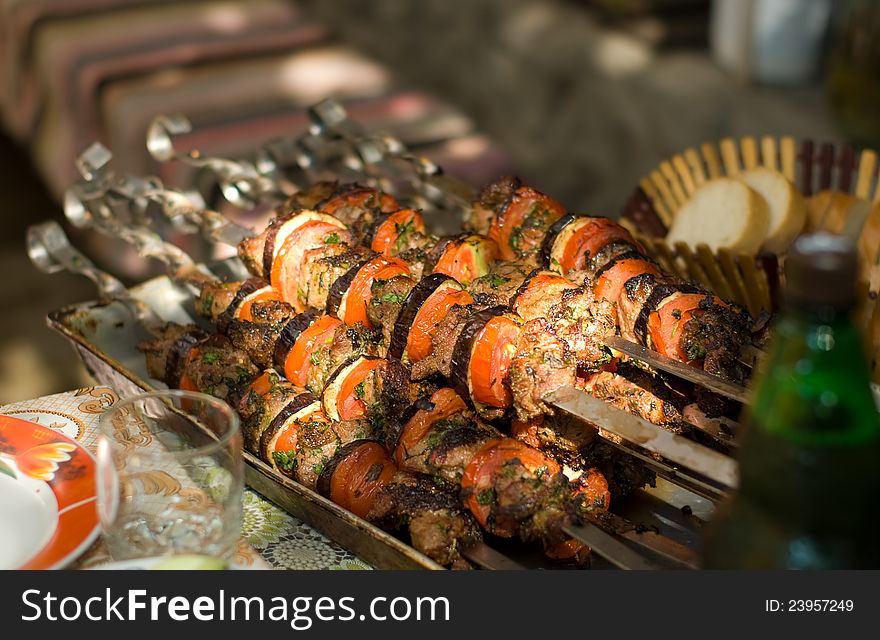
{"x": 821, "y": 269}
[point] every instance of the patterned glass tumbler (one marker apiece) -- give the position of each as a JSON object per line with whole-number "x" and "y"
{"x": 170, "y": 476}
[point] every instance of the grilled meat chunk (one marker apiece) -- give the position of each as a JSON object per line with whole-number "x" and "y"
{"x": 501, "y": 283}
{"x": 447, "y": 447}
{"x": 255, "y": 339}
{"x": 715, "y": 337}
{"x": 542, "y": 363}
{"x": 318, "y": 439}
{"x": 583, "y": 323}
{"x": 437, "y": 523}
{"x": 641, "y": 393}
{"x": 310, "y": 197}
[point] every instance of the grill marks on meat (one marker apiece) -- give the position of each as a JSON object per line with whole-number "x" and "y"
{"x": 447, "y": 447}
{"x": 542, "y": 363}
{"x": 640, "y": 392}
{"x": 583, "y": 324}
{"x": 437, "y": 523}
{"x": 255, "y": 339}
{"x": 715, "y": 337}
{"x": 538, "y": 508}
{"x": 164, "y": 347}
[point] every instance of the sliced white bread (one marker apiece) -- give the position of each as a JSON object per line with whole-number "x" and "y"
{"x": 723, "y": 213}
{"x": 785, "y": 204}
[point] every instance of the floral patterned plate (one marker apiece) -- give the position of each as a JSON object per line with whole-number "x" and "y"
{"x": 47, "y": 497}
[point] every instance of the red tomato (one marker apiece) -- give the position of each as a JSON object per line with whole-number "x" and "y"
{"x": 428, "y": 318}
{"x": 479, "y": 477}
{"x": 360, "y": 476}
{"x": 446, "y": 403}
{"x": 298, "y": 362}
{"x": 459, "y": 259}
{"x": 386, "y": 236}
{"x": 513, "y": 218}
{"x": 358, "y": 296}
{"x": 286, "y": 265}
{"x": 666, "y": 324}
{"x": 347, "y": 402}
{"x": 587, "y": 241}
{"x": 609, "y": 285}
{"x": 537, "y": 288}
{"x": 263, "y": 295}
{"x": 490, "y": 362}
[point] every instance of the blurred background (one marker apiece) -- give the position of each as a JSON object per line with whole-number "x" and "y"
{"x": 579, "y": 97}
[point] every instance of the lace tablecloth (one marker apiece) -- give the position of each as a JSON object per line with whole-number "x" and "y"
{"x": 270, "y": 536}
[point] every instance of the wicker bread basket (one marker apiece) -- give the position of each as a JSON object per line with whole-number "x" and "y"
{"x": 753, "y": 281}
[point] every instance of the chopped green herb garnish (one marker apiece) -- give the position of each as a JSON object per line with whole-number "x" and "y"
{"x": 676, "y": 313}
{"x": 285, "y": 460}
{"x": 332, "y": 238}
{"x": 313, "y": 358}
{"x": 496, "y": 281}
{"x": 392, "y": 298}
{"x": 210, "y": 357}
{"x": 486, "y": 497}
{"x": 360, "y": 390}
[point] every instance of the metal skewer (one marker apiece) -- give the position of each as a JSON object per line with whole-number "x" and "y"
{"x": 715, "y": 467}
{"x": 680, "y": 369}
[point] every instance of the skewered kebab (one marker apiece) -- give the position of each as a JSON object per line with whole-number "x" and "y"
{"x": 262, "y": 244}
{"x": 287, "y": 428}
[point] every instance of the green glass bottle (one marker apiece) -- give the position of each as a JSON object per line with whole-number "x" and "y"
{"x": 809, "y": 495}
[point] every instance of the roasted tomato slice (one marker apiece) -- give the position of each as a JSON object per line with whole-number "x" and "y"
{"x": 519, "y": 229}
{"x": 665, "y": 325}
{"x": 446, "y": 403}
{"x": 429, "y": 317}
{"x": 358, "y": 478}
{"x": 587, "y": 241}
{"x": 391, "y": 236}
{"x": 467, "y": 258}
{"x": 358, "y": 295}
{"x": 285, "y": 448}
{"x": 287, "y": 264}
{"x": 263, "y": 295}
{"x": 263, "y": 383}
{"x": 610, "y": 284}
{"x": 489, "y": 368}
{"x": 348, "y": 401}
{"x": 299, "y": 359}
{"x": 534, "y": 294}
{"x": 478, "y": 481}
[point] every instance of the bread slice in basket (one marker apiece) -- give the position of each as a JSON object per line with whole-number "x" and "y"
{"x": 785, "y": 204}
{"x": 723, "y": 213}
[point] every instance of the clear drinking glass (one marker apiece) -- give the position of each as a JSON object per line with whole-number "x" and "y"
{"x": 170, "y": 476}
